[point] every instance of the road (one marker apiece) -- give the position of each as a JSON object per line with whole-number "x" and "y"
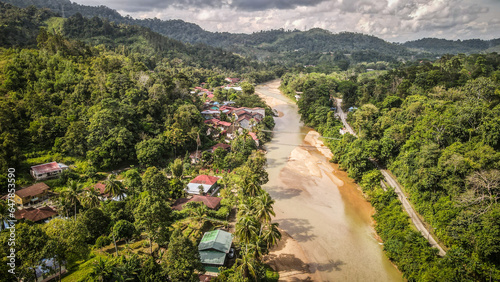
{"x": 397, "y": 188}
{"x": 343, "y": 117}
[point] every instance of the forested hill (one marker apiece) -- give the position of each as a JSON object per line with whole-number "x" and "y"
{"x": 443, "y": 46}
{"x": 20, "y": 27}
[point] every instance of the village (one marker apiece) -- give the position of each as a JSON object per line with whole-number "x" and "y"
{"x": 227, "y": 124}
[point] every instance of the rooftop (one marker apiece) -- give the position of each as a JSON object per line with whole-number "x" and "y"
{"x": 46, "y": 168}
{"x": 35, "y": 214}
{"x": 205, "y": 179}
{"x": 33, "y": 190}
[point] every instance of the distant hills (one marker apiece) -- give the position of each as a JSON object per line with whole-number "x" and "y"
{"x": 315, "y": 46}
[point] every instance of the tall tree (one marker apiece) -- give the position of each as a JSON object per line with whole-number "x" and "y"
{"x": 182, "y": 260}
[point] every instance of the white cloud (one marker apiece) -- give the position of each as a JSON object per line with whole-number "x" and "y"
{"x": 395, "y": 20}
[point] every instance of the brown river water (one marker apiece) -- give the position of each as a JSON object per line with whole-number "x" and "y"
{"x": 318, "y": 205}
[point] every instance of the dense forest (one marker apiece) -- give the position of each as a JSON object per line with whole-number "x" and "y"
{"x": 290, "y": 47}
{"x": 436, "y": 127}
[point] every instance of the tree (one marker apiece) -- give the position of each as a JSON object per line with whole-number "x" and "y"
{"x": 133, "y": 181}
{"x": 90, "y": 198}
{"x": 96, "y": 224}
{"x": 71, "y": 193}
{"x": 177, "y": 168}
{"x": 264, "y": 208}
{"x": 247, "y": 88}
{"x": 156, "y": 183}
{"x": 124, "y": 229}
{"x": 114, "y": 187}
{"x": 66, "y": 243}
{"x": 182, "y": 260}
{"x": 153, "y": 215}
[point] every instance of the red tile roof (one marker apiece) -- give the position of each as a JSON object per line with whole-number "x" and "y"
{"x": 35, "y": 214}
{"x": 101, "y": 188}
{"x": 210, "y": 202}
{"x": 225, "y": 123}
{"x": 46, "y": 168}
{"x": 205, "y": 179}
{"x": 32, "y": 190}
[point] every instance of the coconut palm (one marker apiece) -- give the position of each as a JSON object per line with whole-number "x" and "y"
{"x": 90, "y": 198}
{"x": 247, "y": 228}
{"x": 246, "y": 263}
{"x": 63, "y": 205}
{"x": 264, "y": 208}
{"x": 271, "y": 235}
{"x": 113, "y": 186}
{"x": 71, "y": 193}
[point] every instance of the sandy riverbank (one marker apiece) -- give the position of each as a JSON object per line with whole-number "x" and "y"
{"x": 271, "y": 87}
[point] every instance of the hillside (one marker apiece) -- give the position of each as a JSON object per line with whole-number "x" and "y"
{"x": 272, "y": 45}
{"x": 444, "y": 46}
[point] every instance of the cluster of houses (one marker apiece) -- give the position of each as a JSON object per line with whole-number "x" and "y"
{"x": 241, "y": 118}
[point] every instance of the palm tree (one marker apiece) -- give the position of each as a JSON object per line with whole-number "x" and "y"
{"x": 264, "y": 208}
{"x": 90, "y": 198}
{"x": 114, "y": 187}
{"x": 246, "y": 228}
{"x": 63, "y": 205}
{"x": 72, "y": 193}
{"x": 247, "y": 264}
{"x": 271, "y": 235}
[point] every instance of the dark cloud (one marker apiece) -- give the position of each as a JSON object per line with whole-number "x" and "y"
{"x": 260, "y": 5}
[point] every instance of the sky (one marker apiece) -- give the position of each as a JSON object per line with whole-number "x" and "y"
{"x": 392, "y": 20}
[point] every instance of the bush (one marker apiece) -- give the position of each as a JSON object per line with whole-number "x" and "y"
{"x": 271, "y": 275}
{"x": 222, "y": 213}
{"x": 102, "y": 241}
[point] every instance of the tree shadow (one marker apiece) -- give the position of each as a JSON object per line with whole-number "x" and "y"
{"x": 298, "y": 228}
{"x": 287, "y": 263}
{"x": 331, "y": 265}
{"x": 280, "y": 193}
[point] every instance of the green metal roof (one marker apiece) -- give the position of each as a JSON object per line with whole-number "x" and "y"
{"x": 212, "y": 257}
{"x": 216, "y": 240}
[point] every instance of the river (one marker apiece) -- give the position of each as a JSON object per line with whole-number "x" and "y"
{"x": 318, "y": 206}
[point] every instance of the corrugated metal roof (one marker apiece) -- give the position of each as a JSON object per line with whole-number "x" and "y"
{"x": 217, "y": 240}
{"x": 212, "y": 257}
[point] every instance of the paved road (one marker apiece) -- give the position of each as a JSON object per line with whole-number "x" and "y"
{"x": 397, "y": 188}
{"x": 411, "y": 212}
{"x": 343, "y": 117}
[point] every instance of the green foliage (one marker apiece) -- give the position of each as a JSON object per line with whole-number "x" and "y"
{"x": 433, "y": 126}
{"x": 124, "y": 230}
{"x": 102, "y": 241}
{"x": 182, "y": 258}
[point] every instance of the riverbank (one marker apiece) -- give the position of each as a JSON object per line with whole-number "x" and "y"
{"x": 328, "y": 224}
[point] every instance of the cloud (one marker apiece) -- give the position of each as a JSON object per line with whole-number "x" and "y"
{"x": 395, "y": 20}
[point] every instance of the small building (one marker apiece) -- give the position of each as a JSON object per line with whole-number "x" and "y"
{"x": 48, "y": 170}
{"x": 213, "y": 249}
{"x": 206, "y": 182}
{"x": 32, "y": 195}
{"x": 36, "y": 215}
{"x": 211, "y": 202}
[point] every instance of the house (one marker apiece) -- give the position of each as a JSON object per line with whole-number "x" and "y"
{"x": 208, "y": 114}
{"x": 103, "y": 196}
{"x": 48, "y": 170}
{"x": 36, "y": 215}
{"x": 211, "y": 202}
{"x": 232, "y": 80}
{"x": 226, "y": 147}
{"x": 207, "y": 182}
{"x": 254, "y": 137}
{"x": 32, "y": 195}
{"x": 213, "y": 249}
